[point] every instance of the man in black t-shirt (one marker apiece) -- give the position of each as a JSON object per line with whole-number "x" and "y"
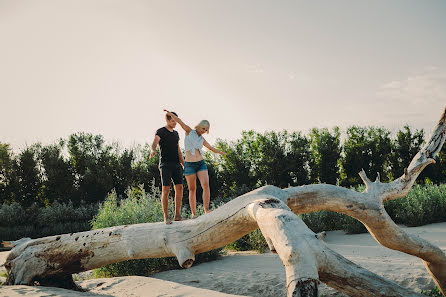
{"x": 171, "y": 166}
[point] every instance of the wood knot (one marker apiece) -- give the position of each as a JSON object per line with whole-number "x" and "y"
{"x": 271, "y": 202}
{"x": 188, "y": 263}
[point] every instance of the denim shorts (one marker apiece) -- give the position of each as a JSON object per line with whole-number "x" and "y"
{"x": 194, "y": 167}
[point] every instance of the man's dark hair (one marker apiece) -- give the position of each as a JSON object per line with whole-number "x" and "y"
{"x": 168, "y": 117}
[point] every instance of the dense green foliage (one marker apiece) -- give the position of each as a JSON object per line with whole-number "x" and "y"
{"x": 253, "y": 241}
{"x": 86, "y": 168}
{"x": 422, "y": 205}
{"x": 17, "y": 221}
{"x": 367, "y": 148}
{"x": 55, "y": 189}
{"x": 81, "y": 169}
{"x": 137, "y": 207}
{"x": 75, "y": 174}
{"x": 326, "y": 155}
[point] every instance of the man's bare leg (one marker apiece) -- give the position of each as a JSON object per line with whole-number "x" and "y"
{"x": 165, "y": 203}
{"x": 178, "y": 201}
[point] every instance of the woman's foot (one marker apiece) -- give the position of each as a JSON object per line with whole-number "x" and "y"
{"x": 207, "y": 211}
{"x": 193, "y": 216}
{"x": 167, "y": 221}
{"x": 177, "y": 219}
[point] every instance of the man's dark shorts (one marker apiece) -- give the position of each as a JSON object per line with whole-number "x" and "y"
{"x": 170, "y": 171}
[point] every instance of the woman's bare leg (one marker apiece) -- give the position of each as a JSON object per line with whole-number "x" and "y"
{"x": 192, "y": 185}
{"x": 204, "y": 181}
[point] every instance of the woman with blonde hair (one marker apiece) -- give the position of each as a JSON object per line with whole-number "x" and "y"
{"x": 195, "y": 166}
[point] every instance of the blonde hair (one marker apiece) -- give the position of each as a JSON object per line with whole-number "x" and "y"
{"x": 203, "y": 124}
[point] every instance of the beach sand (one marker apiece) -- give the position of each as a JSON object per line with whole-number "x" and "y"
{"x": 251, "y": 274}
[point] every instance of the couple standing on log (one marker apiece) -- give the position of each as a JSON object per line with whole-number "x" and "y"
{"x": 172, "y": 163}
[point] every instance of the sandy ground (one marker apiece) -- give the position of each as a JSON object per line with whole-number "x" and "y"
{"x": 251, "y": 274}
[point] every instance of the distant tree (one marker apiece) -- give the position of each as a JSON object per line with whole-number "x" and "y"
{"x": 145, "y": 169}
{"x": 366, "y": 148}
{"x": 58, "y": 181}
{"x": 237, "y": 169}
{"x": 270, "y": 161}
{"x": 299, "y": 158}
{"x": 9, "y": 185}
{"x": 436, "y": 173}
{"x": 282, "y": 158}
{"x": 92, "y": 162}
{"x": 404, "y": 148}
{"x": 29, "y": 176}
{"x": 123, "y": 173}
{"x": 326, "y": 155}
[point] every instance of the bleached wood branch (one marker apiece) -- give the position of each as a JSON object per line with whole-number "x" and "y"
{"x": 52, "y": 260}
{"x": 368, "y": 206}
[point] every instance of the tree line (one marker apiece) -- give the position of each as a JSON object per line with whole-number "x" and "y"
{"x": 84, "y": 167}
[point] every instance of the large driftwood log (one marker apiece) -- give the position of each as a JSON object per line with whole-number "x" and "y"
{"x": 307, "y": 259}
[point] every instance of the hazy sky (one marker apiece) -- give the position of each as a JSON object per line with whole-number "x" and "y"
{"x": 111, "y": 67}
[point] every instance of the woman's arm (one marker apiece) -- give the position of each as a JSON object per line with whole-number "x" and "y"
{"x": 211, "y": 148}
{"x": 179, "y": 121}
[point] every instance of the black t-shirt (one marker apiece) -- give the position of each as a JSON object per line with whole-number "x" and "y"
{"x": 168, "y": 145}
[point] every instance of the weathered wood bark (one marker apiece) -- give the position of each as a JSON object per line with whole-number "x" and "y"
{"x": 307, "y": 259}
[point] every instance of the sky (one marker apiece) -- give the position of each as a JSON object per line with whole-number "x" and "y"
{"x": 110, "y": 67}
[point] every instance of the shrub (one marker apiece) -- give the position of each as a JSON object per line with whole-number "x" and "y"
{"x": 323, "y": 220}
{"x": 35, "y": 221}
{"x": 424, "y": 204}
{"x": 140, "y": 207}
{"x": 251, "y": 241}
{"x": 353, "y": 226}
{"x": 12, "y": 214}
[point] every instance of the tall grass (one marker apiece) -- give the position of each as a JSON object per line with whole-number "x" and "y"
{"x": 140, "y": 207}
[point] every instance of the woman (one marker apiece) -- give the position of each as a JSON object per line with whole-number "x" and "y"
{"x": 195, "y": 166}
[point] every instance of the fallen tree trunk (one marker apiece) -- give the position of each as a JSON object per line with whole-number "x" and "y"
{"x": 52, "y": 260}
{"x": 307, "y": 260}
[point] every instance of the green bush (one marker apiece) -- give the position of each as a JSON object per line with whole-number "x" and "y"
{"x": 241, "y": 244}
{"x": 257, "y": 241}
{"x": 353, "y": 226}
{"x": 251, "y": 241}
{"x": 17, "y": 222}
{"x": 12, "y": 214}
{"x": 140, "y": 207}
{"x": 323, "y": 220}
{"x": 424, "y": 204}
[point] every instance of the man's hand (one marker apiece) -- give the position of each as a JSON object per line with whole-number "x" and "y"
{"x": 152, "y": 154}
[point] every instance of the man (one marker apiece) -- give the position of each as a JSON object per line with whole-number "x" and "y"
{"x": 170, "y": 166}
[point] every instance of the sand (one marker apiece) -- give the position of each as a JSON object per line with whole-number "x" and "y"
{"x": 251, "y": 274}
